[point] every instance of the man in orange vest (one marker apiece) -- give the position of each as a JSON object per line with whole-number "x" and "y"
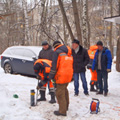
{"x": 91, "y": 53}
{"x": 62, "y": 72}
{"x": 42, "y": 69}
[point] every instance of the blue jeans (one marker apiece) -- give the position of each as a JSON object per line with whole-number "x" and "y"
{"x": 76, "y": 82}
{"x": 102, "y": 77}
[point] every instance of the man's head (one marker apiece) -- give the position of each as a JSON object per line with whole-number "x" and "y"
{"x": 45, "y": 45}
{"x": 100, "y": 45}
{"x": 75, "y": 44}
{"x": 56, "y": 43}
{"x": 38, "y": 67}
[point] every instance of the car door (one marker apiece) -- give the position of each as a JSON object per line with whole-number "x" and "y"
{"x": 29, "y": 62}
{"x": 18, "y": 59}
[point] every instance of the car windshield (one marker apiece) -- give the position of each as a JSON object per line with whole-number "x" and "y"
{"x": 28, "y": 53}
{"x": 7, "y": 52}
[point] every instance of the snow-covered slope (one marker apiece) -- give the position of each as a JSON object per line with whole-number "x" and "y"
{"x": 19, "y": 109}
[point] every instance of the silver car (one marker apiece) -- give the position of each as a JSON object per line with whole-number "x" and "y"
{"x": 20, "y": 59}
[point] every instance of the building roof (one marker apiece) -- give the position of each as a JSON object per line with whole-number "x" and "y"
{"x": 114, "y": 19}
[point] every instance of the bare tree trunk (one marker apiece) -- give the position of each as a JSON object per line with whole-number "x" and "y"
{"x": 65, "y": 19}
{"x": 118, "y": 55}
{"x": 50, "y": 24}
{"x": 111, "y": 27}
{"x": 8, "y": 23}
{"x": 64, "y": 29}
{"x": 27, "y": 32}
{"x": 88, "y": 25}
{"x": 84, "y": 24}
{"x": 118, "y": 48}
{"x": 77, "y": 21}
{"x": 43, "y": 21}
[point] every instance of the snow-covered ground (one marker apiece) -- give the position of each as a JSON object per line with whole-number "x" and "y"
{"x": 19, "y": 109}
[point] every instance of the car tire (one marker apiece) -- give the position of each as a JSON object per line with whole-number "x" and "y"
{"x": 8, "y": 68}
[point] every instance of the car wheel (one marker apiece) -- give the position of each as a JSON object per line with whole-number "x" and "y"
{"x": 8, "y": 68}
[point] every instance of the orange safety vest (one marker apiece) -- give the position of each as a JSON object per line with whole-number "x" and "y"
{"x": 47, "y": 69}
{"x": 64, "y": 69}
{"x": 92, "y": 51}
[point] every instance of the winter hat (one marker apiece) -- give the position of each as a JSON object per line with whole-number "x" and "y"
{"x": 76, "y": 41}
{"x": 38, "y": 68}
{"x": 99, "y": 43}
{"x": 44, "y": 43}
{"x": 56, "y": 43}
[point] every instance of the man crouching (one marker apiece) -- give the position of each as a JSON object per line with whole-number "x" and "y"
{"x": 42, "y": 69}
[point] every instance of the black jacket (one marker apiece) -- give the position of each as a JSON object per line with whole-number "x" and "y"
{"x": 46, "y": 54}
{"x": 62, "y": 49}
{"x": 80, "y": 60}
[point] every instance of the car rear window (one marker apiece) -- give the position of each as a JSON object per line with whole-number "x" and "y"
{"x": 17, "y": 51}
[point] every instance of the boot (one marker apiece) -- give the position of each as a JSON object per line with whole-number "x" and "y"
{"x": 42, "y": 93}
{"x": 52, "y": 98}
{"x": 99, "y": 93}
{"x": 59, "y": 114}
{"x": 92, "y": 89}
{"x": 105, "y": 94}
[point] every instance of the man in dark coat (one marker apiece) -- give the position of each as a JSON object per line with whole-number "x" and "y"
{"x": 46, "y": 52}
{"x": 102, "y": 63}
{"x": 80, "y": 60}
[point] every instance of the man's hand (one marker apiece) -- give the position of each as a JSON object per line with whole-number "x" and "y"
{"x": 108, "y": 70}
{"x": 89, "y": 66}
{"x": 39, "y": 85}
{"x": 38, "y": 77}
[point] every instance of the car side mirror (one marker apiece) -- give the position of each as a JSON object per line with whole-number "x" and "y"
{"x": 34, "y": 58}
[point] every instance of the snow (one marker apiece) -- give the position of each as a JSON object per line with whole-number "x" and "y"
{"x": 19, "y": 109}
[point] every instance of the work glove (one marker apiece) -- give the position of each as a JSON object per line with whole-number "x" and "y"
{"x": 53, "y": 81}
{"x": 108, "y": 70}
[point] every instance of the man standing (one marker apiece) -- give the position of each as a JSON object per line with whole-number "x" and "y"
{"x": 62, "y": 72}
{"x": 80, "y": 60}
{"x": 46, "y": 52}
{"x": 102, "y": 63}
